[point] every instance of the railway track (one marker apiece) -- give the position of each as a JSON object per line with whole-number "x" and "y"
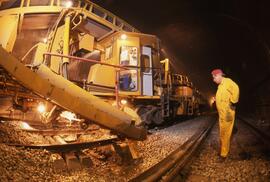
{"x": 76, "y": 156}
{"x": 77, "y": 146}
{"x": 169, "y": 167}
{"x": 248, "y": 159}
{"x": 264, "y": 136}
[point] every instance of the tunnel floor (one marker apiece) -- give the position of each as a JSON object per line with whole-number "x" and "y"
{"x": 248, "y": 159}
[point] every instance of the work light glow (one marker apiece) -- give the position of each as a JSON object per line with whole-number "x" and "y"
{"x": 41, "y": 108}
{"x": 68, "y": 4}
{"x": 123, "y": 36}
{"x": 123, "y": 102}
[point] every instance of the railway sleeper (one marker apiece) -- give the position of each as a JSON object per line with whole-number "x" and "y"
{"x": 71, "y": 161}
{"x": 127, "y": 151}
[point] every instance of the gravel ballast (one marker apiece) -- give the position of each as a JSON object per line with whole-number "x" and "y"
{"x": 19, "y": 164}
{"x": 248, "y": 159}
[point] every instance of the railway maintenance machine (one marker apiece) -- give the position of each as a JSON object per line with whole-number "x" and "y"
{"x": 75, "y": 61}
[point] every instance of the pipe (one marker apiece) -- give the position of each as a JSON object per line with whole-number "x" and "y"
{"x": 116, "y": 88}
{"x": 30, "y": 50}
{"x": 66, "y": 46}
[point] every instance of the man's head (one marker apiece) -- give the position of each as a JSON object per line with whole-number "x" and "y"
{"x": 217, "y": 75}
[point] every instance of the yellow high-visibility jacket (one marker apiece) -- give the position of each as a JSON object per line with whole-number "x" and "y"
{"x": 227, "y": 93}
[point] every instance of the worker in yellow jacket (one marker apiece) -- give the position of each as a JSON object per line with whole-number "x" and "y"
{"x": 226, "y": 97}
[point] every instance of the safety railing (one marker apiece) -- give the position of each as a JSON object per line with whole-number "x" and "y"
{"x": 97, "y": 62}
{"x": 89, "y": 6}
{"x": 117, "y": 71}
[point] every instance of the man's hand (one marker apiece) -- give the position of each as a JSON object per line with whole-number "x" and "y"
{"x": 229, "y": 116}
{"x": 233, "y": 106}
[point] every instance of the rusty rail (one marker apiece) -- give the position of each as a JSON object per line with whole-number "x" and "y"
{"x": 264, "y": 136}
{"x": 169, "y": 167}
{"x": 68, "y": 146}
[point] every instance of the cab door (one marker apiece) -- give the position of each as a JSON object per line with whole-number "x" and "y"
{"x": 146, "y": 71}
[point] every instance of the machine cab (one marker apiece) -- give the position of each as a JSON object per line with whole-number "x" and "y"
{"x": 135, "y": 55}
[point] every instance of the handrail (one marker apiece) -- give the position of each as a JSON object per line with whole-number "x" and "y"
{"x": 116, "y": 86}
{"x": 83, "y": 59}
{"x": 87, "y": 5}
{"x": 124, "y": 67}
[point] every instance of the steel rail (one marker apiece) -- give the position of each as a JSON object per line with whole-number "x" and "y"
{"x": 170, "y": 166}
{"x": 68, "y": 146}
{"x": 264, "y": 136}
{"x": 50, "y": 132}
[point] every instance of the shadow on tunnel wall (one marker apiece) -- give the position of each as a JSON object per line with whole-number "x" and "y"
{"x": 257, "y": 103}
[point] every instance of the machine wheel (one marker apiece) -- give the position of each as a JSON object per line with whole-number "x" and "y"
{"x": 147, "y": 116}
{"x": 141, "y": 109}
{"x": 157, "y": 117}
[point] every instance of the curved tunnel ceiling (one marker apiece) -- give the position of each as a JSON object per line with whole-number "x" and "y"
{"x": 200, "y": 36}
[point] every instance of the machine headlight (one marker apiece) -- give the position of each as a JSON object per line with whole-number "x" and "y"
{"x": 41, "y": 108}
{"x": 68, "y": 4}
{"x": 124, "y": 37}
{"x": 123, "y": 101}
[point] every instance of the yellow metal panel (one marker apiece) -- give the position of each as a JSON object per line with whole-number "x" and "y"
{"x": 86, "y": 42}
{"x": 57, "y": 47}
{"x": 102, "y": 75}
{"x": 66, "y": 38}
{"x": 34, "y": 9}
{"x": 56, "y": 9}
{"x": 146, "y": 97}
{"x": 38, "y": 59}
{"x": 67, "y": 95}
{"x": 8, "y": 31}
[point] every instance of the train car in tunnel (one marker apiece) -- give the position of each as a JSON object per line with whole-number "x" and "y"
{"x": 76, "y": 61}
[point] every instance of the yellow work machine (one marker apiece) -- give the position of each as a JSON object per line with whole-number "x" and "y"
{"x": 74, "y": 60}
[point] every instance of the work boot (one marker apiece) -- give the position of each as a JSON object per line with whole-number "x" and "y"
{"x": 221, "y": 159}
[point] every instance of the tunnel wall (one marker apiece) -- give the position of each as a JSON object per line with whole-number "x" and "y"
{"x": 261, "y": 100}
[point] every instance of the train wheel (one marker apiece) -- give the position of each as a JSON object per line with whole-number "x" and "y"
{"x": 141, "y": 109}
{"x": 148, "y": 115}
{"x": 157, "y": 117}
